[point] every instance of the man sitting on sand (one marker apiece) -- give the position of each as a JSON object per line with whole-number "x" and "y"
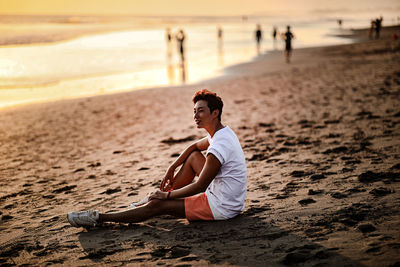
{"x": 218, "y": 193}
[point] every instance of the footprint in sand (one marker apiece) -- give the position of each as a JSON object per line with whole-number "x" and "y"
{"x": 299, "y": 174}
{"x": 306, "y": 124}
{"x": 381, "y": 191}
{"x": 298, "y": 255}
{"x": 312, "y": 192}
{"x": 65, "y": 189}
{"x": 170, "y": 252}
{"x": 366, "y": 228}
{"x": 370, "y": 177}
{"x": 338, "y": 195}
{"x": 336, "y": 150}
{"x": 172, "y": 141}
{"x": 93, "y": 165}
{"x": 306, "y": 201}
{"x": 111, "y": 191}
{"x": 316, "y": 177}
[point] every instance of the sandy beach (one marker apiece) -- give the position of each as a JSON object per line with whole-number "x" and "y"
{"x": 321, "y": 138}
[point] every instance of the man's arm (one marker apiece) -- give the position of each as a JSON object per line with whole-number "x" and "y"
{"x": 200, "y": 145}
{"x": 210, "y": 170}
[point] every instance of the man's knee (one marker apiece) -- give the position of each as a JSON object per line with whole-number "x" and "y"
{"x": 196, "y": 157}
{"x": 196, "y": 160}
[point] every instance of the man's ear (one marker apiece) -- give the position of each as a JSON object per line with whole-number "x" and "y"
{"x": 215, "y": 112}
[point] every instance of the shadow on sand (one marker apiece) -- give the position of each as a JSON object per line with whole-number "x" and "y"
{"x": 246, "y": 240}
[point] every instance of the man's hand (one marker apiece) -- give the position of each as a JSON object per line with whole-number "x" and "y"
{"x": 168, "y": 180}
{"x": 158, "y": 195}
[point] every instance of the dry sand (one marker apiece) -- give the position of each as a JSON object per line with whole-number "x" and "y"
{"x": 322, "y": 142}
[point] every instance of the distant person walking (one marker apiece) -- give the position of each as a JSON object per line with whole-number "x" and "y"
{"x": 168, "y": 35}
{"x": 274, "y": 33}
{"x": 220, "y": 46}
{"x": 371, "y": 29}
{"x": 180, "y": 38}
{"x": 220, "y": 36}
{"x": 258, "y": 37}
{"x": 168, "y": 40}
{"x": 170, "y": 65}
{"x": 288, "y": 36}
{"x": 220, "y": 33}
{"x": 378, "y": 26}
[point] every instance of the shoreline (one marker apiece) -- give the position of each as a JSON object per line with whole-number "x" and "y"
{"x": 230, "y": 71}
{"x": 52, "y": 36}
{"x": 67, "y": 28}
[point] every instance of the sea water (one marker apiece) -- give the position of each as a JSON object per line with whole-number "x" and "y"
{"x": 141, "y": 57}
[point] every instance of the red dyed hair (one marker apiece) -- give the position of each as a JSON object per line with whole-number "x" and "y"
{"x": 213, "y": 101}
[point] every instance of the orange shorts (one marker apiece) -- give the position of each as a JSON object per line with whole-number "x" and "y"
{"x": 197, "y": 208}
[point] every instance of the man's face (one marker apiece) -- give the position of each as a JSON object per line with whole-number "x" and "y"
{"x": 201, "y": 115}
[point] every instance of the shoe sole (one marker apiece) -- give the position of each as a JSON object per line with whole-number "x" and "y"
{"x": 71, "y": 221}
{"x": 140, "y": 203}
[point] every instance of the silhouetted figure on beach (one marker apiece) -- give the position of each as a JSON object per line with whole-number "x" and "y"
{"x": 180, "y": 38}
{"x": 274, "y": 33}
{"x": 168, "y": 35}
{"x": 371, "y": 29}
{"x": 168, "y": 40}
{"x": 220, "y": 35}
{"x": 378, "y": 26}
{"x": 288, "y": 36}
{"x": 258, "y": 37}
{"x": 339, "y": 21}
{"x": 170, "y": 65}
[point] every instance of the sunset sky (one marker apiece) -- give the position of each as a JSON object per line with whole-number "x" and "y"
{"x": 186, "y": 7}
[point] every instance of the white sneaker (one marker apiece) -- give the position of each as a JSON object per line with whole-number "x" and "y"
{"x": 140, "y": 203}
{"x": 83, "y": 218}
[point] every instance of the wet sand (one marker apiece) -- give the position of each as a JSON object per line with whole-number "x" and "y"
{"x": 322, "y": 141}
{"x": 23, "y": 30}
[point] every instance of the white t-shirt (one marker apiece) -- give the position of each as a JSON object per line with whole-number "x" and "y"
{"x": 227, "y": 191}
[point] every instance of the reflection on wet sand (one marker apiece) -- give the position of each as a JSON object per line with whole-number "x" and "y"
{"x": 221, "y": 56}
{"x": 182, "y": 68}
{"x": 220, "y": 47}
{"x": 179, "y": 67}
{"x": 170, "y": 64}
{"x": 274, "y": 45}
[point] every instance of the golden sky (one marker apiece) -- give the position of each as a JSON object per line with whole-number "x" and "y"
{"x": 180, "y": 7}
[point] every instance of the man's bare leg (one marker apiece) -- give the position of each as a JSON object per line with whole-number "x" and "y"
{"x": 192, "y": 167}
{"x": 155, "y": 207}
{"x": 176, "y": 207}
